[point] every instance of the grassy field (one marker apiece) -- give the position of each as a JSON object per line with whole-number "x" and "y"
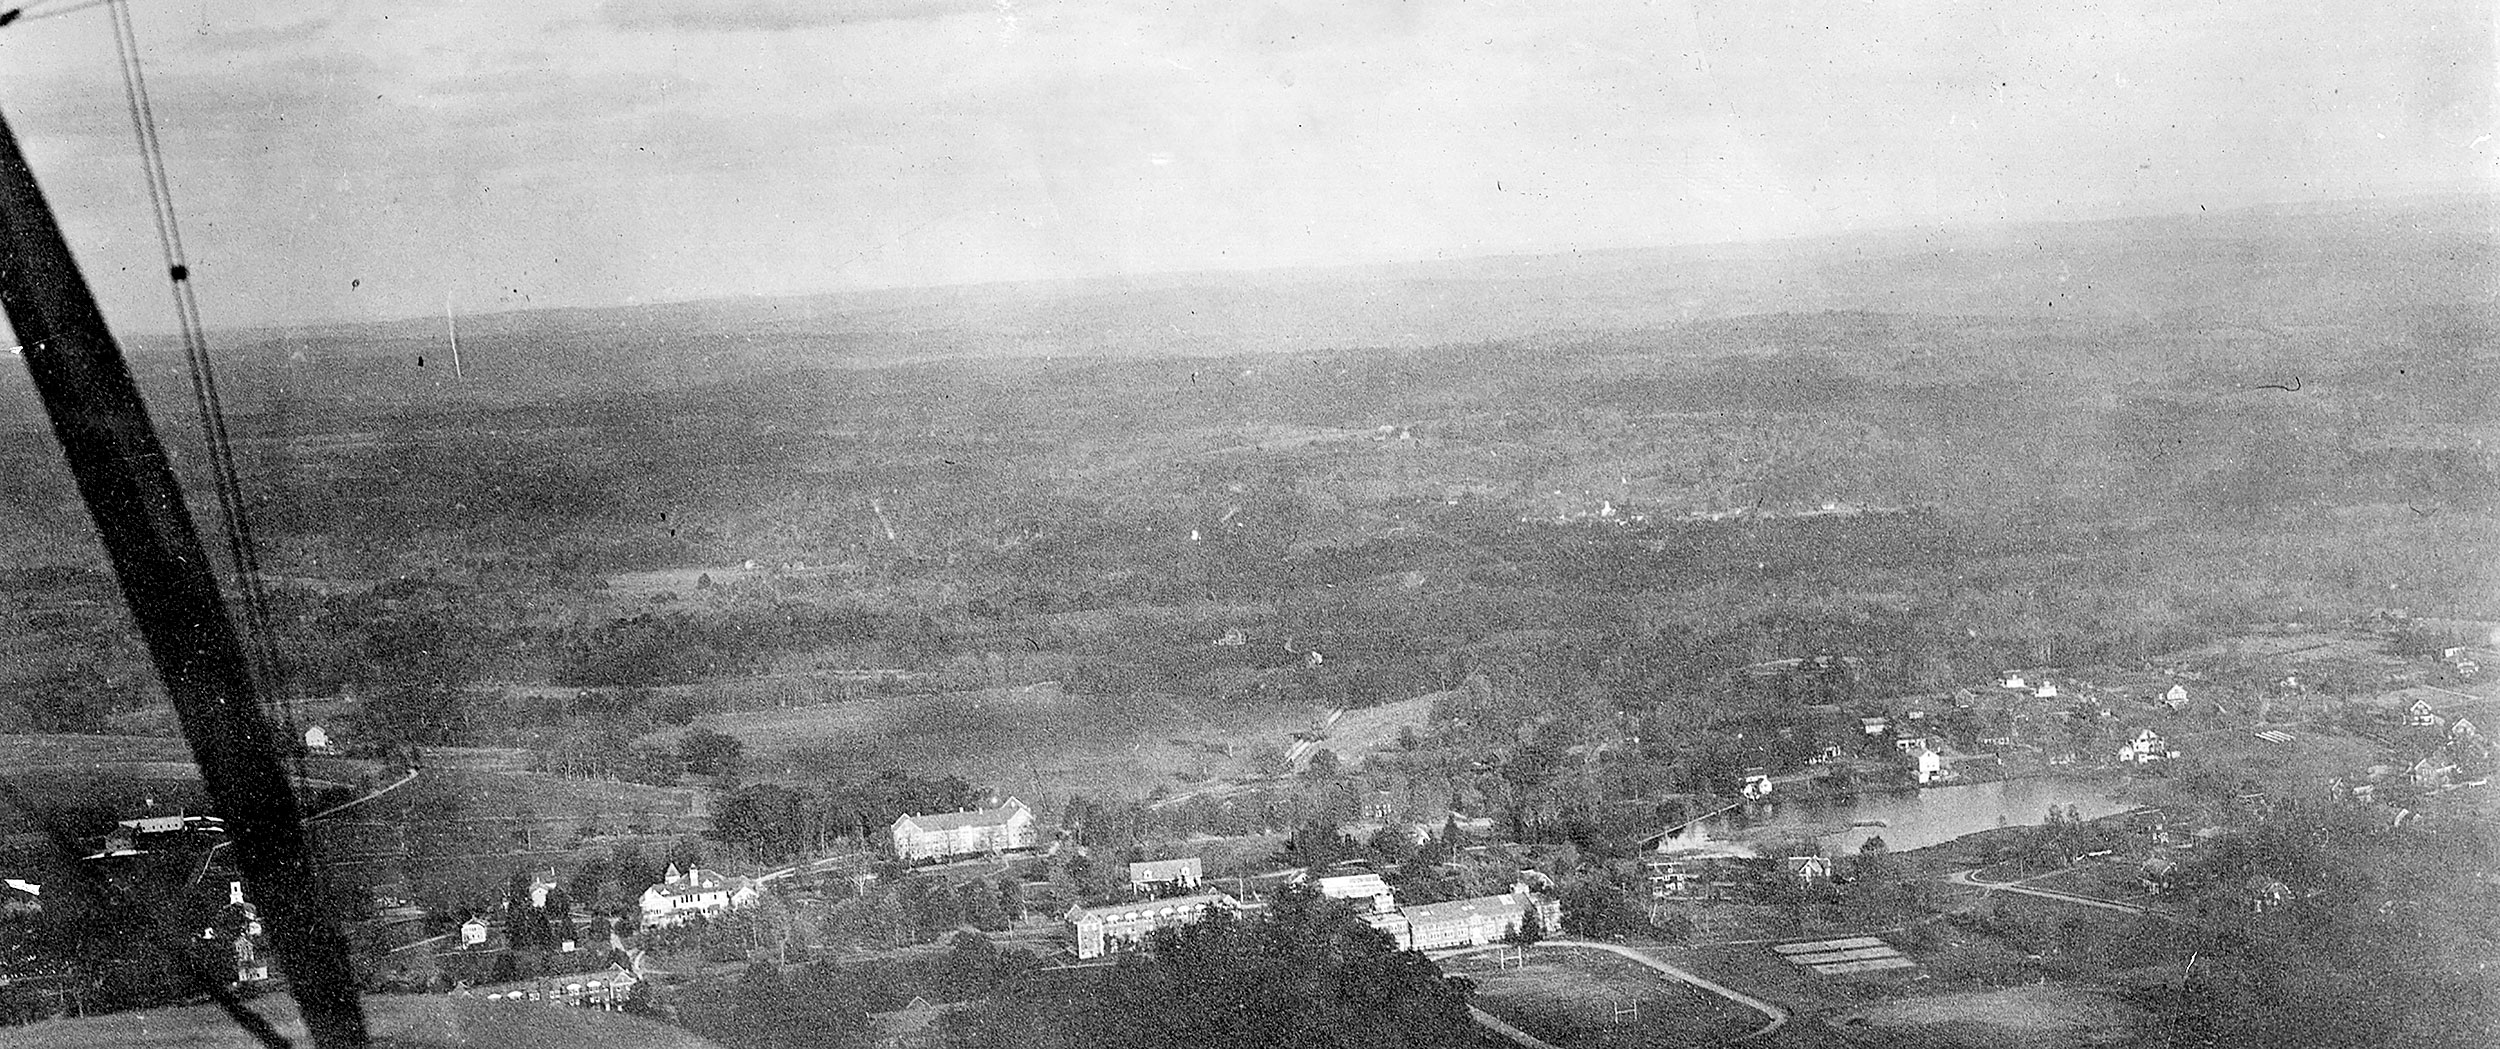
{"x": 25, "y": 753}
{"x": 396, "y": 1021}
{"x": 1572, "y": 998}
{"x": 2040, "y": 1016}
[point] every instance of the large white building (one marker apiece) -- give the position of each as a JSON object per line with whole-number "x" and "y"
{"x": 1004, "y": 828}
{"x": 1467, "y": 923}
{"x": 1096, "y": 931}
{"x": 694, "y": 893}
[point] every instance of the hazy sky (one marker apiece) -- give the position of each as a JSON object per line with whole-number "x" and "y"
{"x": 363, "y": 160}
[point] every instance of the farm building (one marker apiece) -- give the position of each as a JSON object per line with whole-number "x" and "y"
{"x": 694, "y": 893}
{"x": 1007, "y": 827}
{"x": 1096, "y": 931}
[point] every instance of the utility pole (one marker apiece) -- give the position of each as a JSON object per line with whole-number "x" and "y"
{"x": 129, "y": 488}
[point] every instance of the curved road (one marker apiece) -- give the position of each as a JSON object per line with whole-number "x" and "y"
{"x": 1493, "y": 1023}
{"x": 1964, "y": 878}
{"x": 1776, "y": 1014}
{"x": 335, "y": 809}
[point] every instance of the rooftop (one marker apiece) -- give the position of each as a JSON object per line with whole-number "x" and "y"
{"x": 992, "y": 817}
{"x": 1459, "y": 910}
{"x": 1178, "y": 904}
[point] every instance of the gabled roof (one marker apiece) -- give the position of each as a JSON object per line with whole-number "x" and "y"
{"x": 1353, "y": 887}
{"x": 1506, "y": 904}
{"x": 699, "y": 880}
{"x": 1808, "y": 865}
{"x": 1178, "y": 905}
{"x": 994, "y": 817}
{"x": 1165, "y": 870}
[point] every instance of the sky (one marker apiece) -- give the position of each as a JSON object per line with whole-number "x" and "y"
{"x": 337, "y": 161}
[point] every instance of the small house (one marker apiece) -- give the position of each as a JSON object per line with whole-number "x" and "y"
{"x": 1806, "y": 870}
{"x": 317, "y": 741}
{"x": 2421, "y": 715}
{"x": 2264, "y": 894}
{"x": 1825, "y": 754}
{"x": 2157, "y": 873}
{"x": 2047, "y": 690}
{"x": 914, "y": 1026}
{"x": 1756, "y": 784}
{"x": 2431, "y": 771}
{"x": 2012, "y": 680}
{"x": 1874, "y": 726}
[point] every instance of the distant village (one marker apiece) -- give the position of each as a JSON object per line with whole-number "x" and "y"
{"x": 543, "y": 941}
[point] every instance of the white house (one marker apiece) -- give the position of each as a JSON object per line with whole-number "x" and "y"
{"x": 317, "y": 740}
{"x": 2421, "y": 715}
{"x": 1757, "y": 784}
{"x": 2145, "y": 747}
{"x": 2012, "y": 680}
{"x": 2047, "y": 690}
{"x": 1926, "y": 759}
{"x": 1004, "y": 828}
{"x": 695, "y": 893}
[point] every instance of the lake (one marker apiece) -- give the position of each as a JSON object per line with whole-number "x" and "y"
{"x": 1916, "y": 820}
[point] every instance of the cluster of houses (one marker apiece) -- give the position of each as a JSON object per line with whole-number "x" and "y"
{"x": 2444, "y": 753}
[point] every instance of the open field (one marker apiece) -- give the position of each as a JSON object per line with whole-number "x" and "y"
{"x": 26, "y": 753}
{"x": 1030, "y": 738}
{"x": 2041, "y": 1016}
{"x": 397, "y": 1022}
{"x": 1582, "y": 999}
{"x": 1367, "y": 729}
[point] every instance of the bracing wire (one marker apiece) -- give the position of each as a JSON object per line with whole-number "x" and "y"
{"x": 234, "y": 514}
{"x": 43, "y": 9}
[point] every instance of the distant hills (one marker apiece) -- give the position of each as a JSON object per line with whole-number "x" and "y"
{"x": 2421, "y": 267}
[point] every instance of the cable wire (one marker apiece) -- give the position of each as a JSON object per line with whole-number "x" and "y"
{"x": 234, "y": 514}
